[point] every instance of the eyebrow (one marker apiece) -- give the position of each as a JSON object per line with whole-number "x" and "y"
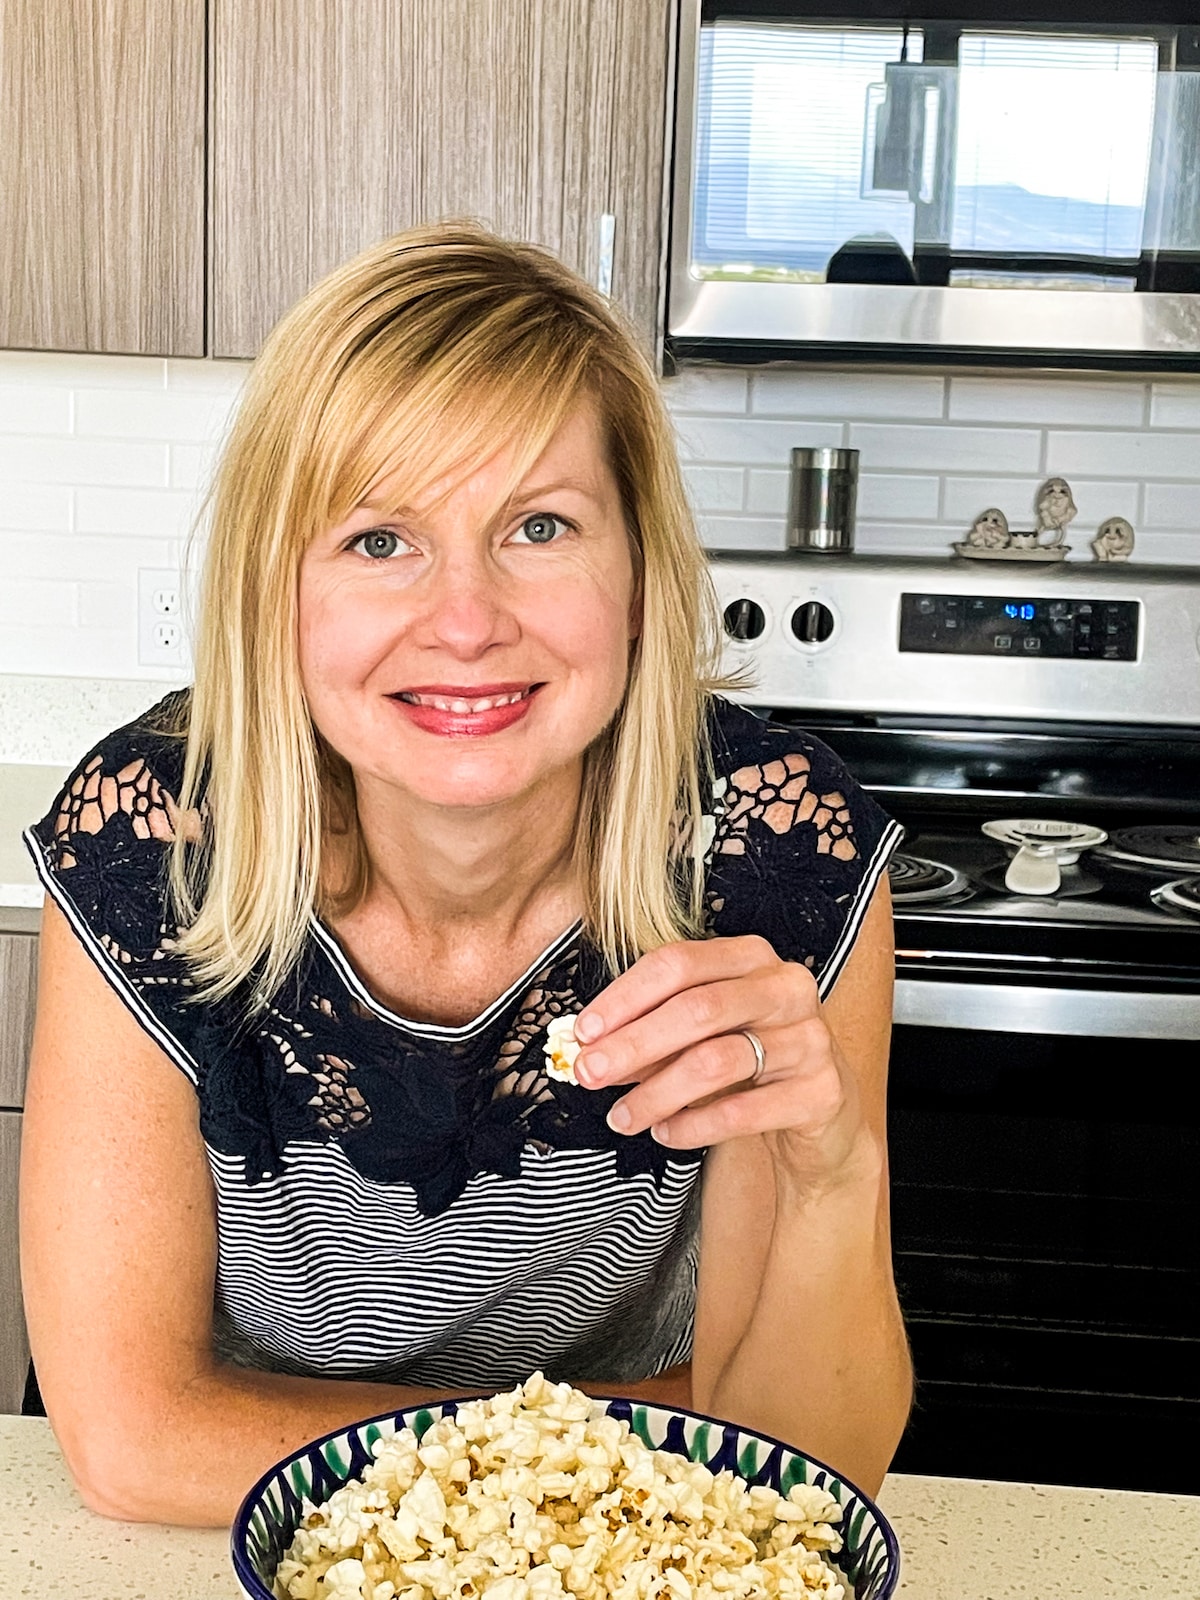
{"x": 524, "y": 492}
{"x": 521, "y": 492}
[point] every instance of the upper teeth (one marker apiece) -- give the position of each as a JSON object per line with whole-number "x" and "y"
{"x": 464, "y": 707}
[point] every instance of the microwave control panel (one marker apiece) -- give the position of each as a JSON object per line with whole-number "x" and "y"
{"x": 1019, "y": 627}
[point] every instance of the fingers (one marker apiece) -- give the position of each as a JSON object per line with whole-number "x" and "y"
{"x": 704, "y": 1097}
{"x": 656, "y": 977}
{"x": 704, "y": 1013}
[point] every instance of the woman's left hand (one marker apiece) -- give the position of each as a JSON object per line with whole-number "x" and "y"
{"x": 673, "y": 1026}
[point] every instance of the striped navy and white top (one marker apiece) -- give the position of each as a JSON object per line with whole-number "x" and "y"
{"x": 405, "y": 1202}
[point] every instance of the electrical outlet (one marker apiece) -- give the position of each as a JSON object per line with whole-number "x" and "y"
{"x": 161, "y": 639}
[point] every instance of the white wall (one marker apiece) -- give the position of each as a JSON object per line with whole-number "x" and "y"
{"x": 103, "y": 460}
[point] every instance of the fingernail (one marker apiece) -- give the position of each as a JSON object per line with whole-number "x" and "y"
{"x": 591, "y": 1067}
{"x": 619, "y": 1119}
{"x": 588, "y": 1026}
{"x": 661, "y": 1132}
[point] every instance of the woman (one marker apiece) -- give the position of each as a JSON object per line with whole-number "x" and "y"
{"x": 450, "y": 769}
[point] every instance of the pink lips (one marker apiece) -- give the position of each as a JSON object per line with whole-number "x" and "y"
{"x": 459, "y": 720}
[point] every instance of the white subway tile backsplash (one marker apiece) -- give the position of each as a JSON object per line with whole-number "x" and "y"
{"x": 767, "y": 491}
{"x": 82, "y": 461}
{"x": 964, "y": 498}
{"x": 1175, "y": 405}
{"x": 1169, "y": 549}
{"x": 1126, "y": 455}
{"x": 1046, "y": 400}
{"x": 63, "y": 370}
{"x": 896, "y": 495}
{"x": 108, "y": 605}
{"x": 939, "y": 448}
{"x": 153, "y": 513}
{"x": 902, "y": 539}
{"x": 34, "y": 506}
{"x": 167, "y": 415}
{"x": 1173, "y": 505}
{"x": 832, "y": 396}
{"x": 743, "y": 533}
{"x": 707, "y": 389}
{"x": 765, "y": 444}
{"x": 21, "y": 598}
{"x": 207, "y": 377}
{"x": 93, "y": 558}
{"x": 24, "y": 409}
{"x": 715, "y": 488}
{"x": 192, "y": 466}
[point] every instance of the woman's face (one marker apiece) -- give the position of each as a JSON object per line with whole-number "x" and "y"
{"x": 466, "y": 657}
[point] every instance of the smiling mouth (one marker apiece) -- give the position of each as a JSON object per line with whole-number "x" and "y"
{"x": 460, "y": 705}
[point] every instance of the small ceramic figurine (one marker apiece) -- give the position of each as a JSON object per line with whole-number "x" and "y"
{"x": 989, "y": 531}
{"x": 1114, "y": 540}
{"x": 1056, "y": 508}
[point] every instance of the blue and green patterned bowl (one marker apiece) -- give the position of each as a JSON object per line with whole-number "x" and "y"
{"x": 269, "y": 1515}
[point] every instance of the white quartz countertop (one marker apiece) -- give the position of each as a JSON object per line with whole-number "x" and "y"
{"x": 960, "y": 1540}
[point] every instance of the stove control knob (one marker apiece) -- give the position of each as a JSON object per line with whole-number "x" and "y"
{"x": 744, "y": 620}
{"x": 812, "y": 623}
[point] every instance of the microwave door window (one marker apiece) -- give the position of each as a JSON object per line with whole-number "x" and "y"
{"x": 787, "y": 155}
{"x": 937, "y": 156}
{"x": 1052, "y": 160}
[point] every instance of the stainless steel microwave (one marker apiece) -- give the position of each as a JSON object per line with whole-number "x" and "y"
{"x": 929, "y": 183}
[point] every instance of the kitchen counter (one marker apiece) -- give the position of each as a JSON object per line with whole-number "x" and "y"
{"x": 961, "y": 1540}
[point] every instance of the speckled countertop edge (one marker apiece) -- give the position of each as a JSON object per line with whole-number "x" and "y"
{"x": 960, "y": 1540}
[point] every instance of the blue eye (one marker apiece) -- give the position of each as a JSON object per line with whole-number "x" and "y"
{"x": 378, "y": 543}
{"x": 541, "y": 528}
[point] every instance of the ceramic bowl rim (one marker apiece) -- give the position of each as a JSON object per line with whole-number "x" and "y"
{"x": 241, "y": 1522}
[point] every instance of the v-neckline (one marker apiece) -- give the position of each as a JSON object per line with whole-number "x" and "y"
{"x": 341, "y": 964}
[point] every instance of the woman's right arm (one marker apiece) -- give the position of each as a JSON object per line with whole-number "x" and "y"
{"x": 118, "y": 1260}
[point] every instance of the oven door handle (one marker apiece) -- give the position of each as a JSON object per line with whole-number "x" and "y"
{"x": 1030, "y": 1008}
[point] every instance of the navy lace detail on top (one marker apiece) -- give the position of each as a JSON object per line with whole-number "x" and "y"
{"x": 794, "y": 849}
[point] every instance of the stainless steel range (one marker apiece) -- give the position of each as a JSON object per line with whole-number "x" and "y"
{"x": 1037, "y": 731}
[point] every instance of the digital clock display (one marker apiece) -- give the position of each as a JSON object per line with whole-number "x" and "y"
{"x": 1025, "y": 630}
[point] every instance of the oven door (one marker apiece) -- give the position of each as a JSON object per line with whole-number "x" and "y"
{"x": 1046, "y": 1191}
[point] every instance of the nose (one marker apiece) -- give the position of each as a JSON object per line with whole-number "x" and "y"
{"x": 467, "y": 610}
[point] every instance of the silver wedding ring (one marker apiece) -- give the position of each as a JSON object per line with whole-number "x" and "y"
{"x": 760, "y": 1060}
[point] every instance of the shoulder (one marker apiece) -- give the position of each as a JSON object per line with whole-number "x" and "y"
{"x": 795, "y": 846}
{"x": 101, "y": 848}
{"x": 129, "y": 780}
{"x": 772, "y": 779}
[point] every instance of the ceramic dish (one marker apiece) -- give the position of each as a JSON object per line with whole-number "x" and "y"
{"x": 267, "y": 1521}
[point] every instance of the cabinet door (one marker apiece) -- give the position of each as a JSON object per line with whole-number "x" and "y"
{"x": 336, "y": 125}
{"x": 18, "y": 984}
{"x": 102, "y": 175}
{"x": 14, "y": 1345}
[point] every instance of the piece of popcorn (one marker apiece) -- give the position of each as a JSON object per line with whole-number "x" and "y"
{"x": 562, "y": 1048}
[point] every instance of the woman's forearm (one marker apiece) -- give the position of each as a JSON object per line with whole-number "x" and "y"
{"x": 212, "y": 1437}
{"x": 823, "y": 1361}
{"x": 226, "y": 1427}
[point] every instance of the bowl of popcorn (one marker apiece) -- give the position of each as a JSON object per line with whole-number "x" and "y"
{"x": 543, "y": 1493}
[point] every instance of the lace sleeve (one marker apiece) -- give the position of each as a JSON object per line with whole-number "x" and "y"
{"x": 101, "y": 854}
{"x": 795, "y": 846}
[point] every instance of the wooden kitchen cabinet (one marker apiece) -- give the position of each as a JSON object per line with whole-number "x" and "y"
{"x": 18, "y": 976}
{"x": 335, "y": 125}
{"x": 102, "y": 118}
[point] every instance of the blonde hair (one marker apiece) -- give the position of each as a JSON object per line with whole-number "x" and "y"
{"x": 428, "y": 353}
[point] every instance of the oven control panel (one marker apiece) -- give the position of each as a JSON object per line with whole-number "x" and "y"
{"x": 1020, "y": 627}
